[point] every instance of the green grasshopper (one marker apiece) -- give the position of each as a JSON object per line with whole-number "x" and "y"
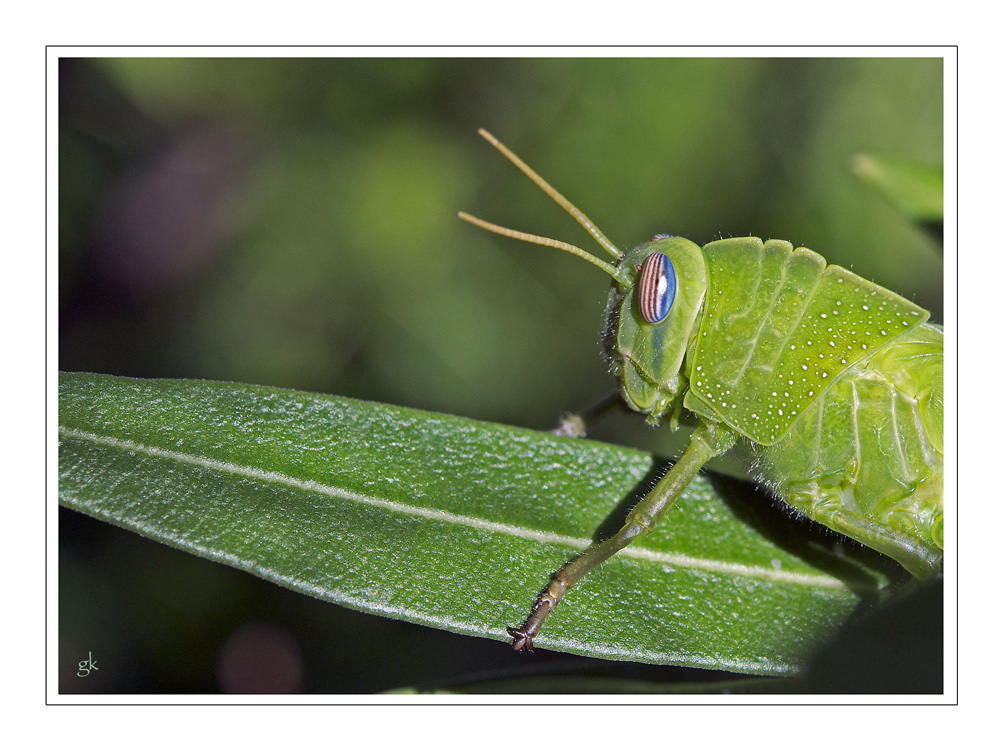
{"x": 835, "y": 381}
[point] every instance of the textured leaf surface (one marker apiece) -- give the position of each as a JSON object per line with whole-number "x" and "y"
{"x": 445, "y": 521}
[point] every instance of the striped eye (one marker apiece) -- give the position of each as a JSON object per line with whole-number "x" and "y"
{"x": 656, "y": 288}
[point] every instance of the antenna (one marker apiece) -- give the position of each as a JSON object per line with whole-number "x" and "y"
{"x": 603, "y": 265}
{"x": 554, "y": 194}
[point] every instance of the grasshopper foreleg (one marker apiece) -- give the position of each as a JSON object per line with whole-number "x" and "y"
{"x": 575, "y": 425}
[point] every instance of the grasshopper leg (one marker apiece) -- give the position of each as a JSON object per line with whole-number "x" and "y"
{"x": 574, "y": 425}
{"x": 707, "y": 441}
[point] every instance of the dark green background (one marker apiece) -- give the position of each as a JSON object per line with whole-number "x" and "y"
{"x": 291, "y": 222}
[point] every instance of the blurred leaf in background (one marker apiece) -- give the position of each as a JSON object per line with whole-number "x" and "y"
{"x": 914, "y": 188}
{"x": 291, "y": 222}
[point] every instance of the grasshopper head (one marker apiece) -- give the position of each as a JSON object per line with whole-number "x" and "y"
{"x": 650, "y": 319}
{"x": 654, "y": 302}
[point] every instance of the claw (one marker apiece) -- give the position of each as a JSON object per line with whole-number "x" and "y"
{"x": 522, "y": 641}
{"x": 572, "y": 425}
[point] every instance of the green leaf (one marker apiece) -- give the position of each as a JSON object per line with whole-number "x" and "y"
{"x": 453, "y": 523}
{"x": 914, "y": 188}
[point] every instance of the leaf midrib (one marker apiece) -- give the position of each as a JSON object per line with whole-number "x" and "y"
{"x": 546, "y": 537}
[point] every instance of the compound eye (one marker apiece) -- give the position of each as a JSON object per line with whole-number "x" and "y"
{"x": 656, "y": 288}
